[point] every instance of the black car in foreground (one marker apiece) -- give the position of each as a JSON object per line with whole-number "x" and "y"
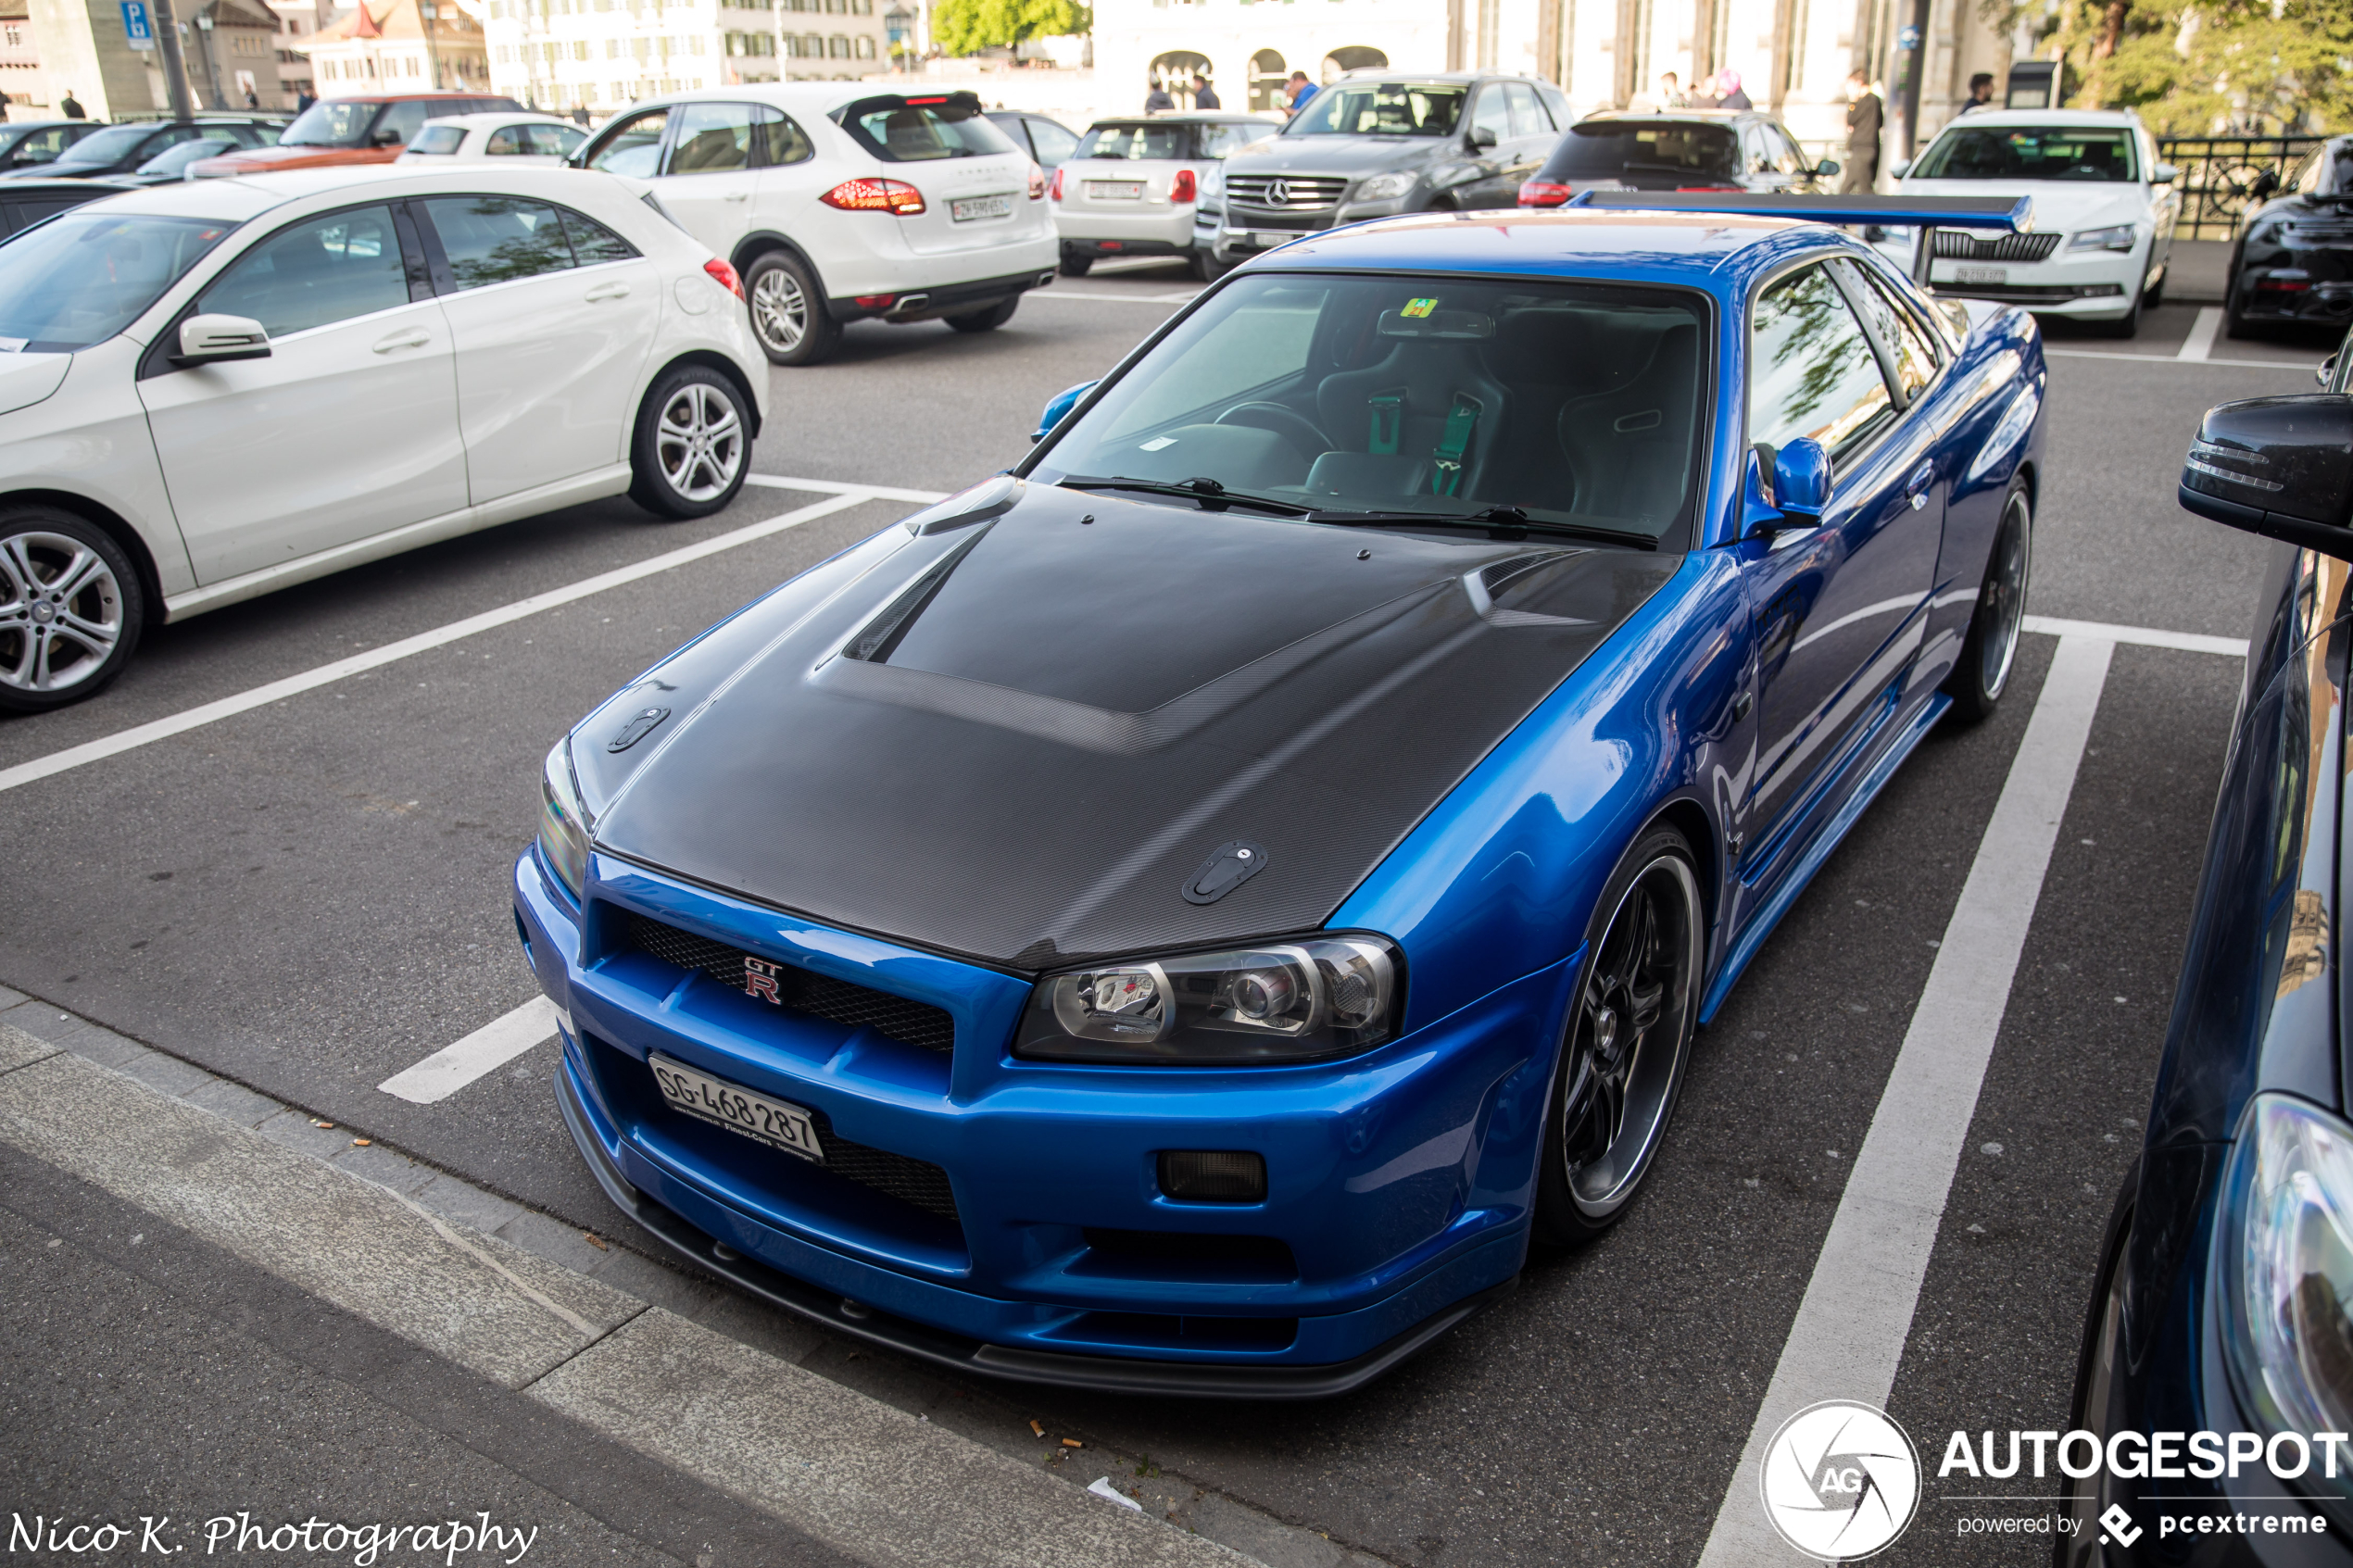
{"x": 121, "y": 149}
{"x": 1682, "y": 150}
{"x": 2292, "y": 259}
{"x": 1375, "y": 143}
{"x": 2217, "y": 1366}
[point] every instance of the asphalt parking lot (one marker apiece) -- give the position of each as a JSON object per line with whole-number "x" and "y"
{"x": 310, "y": 895}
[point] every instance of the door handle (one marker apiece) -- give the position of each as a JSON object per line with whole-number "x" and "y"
{"x": 739, "y": 196}
{"x": 607, "y": 291}
{"x": 1917, "y": 487}
{"x": 414, "y": 337}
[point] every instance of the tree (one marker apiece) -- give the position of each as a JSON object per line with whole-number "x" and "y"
{"x": 966, "y": 27}
{"x": 2205, "y": 68}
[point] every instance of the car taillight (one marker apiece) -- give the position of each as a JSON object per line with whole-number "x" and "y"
{"x": 876, "y": 195}
{"x": 1037, "y": 183}
{"x": 1543, "y": 192}
{"x": 726, "y": 275}
{"x": 1055, "y": 191}
{"x": 1183, "y": 188}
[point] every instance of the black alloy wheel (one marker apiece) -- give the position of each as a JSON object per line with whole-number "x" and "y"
{"x": 1626, "y": 1041}
{"x": 2091, "y": 1409}
{"x": 1990, "y": 652}
{"x": 986, "y": 321}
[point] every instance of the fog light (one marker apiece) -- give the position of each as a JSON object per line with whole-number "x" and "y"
{"x": 1212, "y": 1175}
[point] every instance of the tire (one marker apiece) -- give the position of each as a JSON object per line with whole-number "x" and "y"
{"x": 986, "y": 321}
{"x": 1611, "y": 1099}
{"x": 2235, "y": 325}
{"x": 693, "y": 446}
{"x": 2153, "y": 296}
{"x": 788, "y": 310}
{"x": 2129, "y": 324}
{"x": 1990, "y": 651}
{"x": 1208, "y": 269}
{"x": 71, "y": 609}
{"x": 1075, "y": 264}
{"x": 2089, "y": 1408}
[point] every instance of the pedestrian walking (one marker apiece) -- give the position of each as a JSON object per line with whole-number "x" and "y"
{"x": 1157, "y": 101}
{"x": 70, "y": 108}
{"x": 303, "y": 100}
{"x": 1981, "y": 94}
{"x": 1204, "y": 98}
{"x": 1865, "y": 111}
{"x": 1670, "y": 92}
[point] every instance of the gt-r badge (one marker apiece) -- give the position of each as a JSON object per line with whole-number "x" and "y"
{"x": 759, "y": 980}
{"x": 1228, "y": 867}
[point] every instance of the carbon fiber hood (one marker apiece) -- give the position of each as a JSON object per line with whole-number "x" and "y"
{"x": 1018, "y": 738}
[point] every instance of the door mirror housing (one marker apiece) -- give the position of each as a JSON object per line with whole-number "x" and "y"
{"x": 2163, "y": 174}
{"x": 1058, "y": 408}
{"x": 385, "y": 139}
{"x": 1900, "y": 169}
{"x": 1786, "y": 488}
{"x": 210, "y": 340}
{"x": 2327, "y": 370}
{"x": 1482, "y": 138}
{"x": 2280, "y": 467}
{"x": 1827, "y": 167}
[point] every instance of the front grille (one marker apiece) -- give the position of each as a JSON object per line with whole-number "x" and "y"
{"x": 1953, "y": 245}
{"x": 1297, "y": 190}
{"x": 901, "y": 1176}
{"x": 820, "y": 996}
{"x": 2033, "y": 294}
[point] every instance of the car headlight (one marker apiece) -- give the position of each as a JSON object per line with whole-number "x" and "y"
{"x": 2118, "y": 238}
{"x": 1298, "y": 1000}
{"x": 2289, "y": 1269}
{"x": 1382, "y": 187}
{"x": 564, "y": 826}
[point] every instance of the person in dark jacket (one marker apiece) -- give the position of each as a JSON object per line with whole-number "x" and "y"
{"x": 1727, "y": 91}
{"x": 1204, "y": 98}
{"x": 1157, "y": 101}
{"x": 1981, "y": 94}
{"x": 1864, "y": 113}
{"x": 69, "y": 107}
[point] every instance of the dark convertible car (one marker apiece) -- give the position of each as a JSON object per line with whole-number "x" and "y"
{"x": 2292, "y": 259}
{"x": 2219, "y": 1322}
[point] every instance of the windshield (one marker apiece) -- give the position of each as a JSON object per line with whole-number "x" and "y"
{"x": 1387, "y": 108}
{"x": 337, "y": 123}
{"x": 84, "y": 276}
{"x": 1579, "y": 403}
{"x": 114, "y": 142}
{"x": 2030, "y": 152}
{"x": 1605, "y": 149}
{"x": 176, "y": 159}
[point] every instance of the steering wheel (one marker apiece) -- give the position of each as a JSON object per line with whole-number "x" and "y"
{"x": 1288, "y": 423}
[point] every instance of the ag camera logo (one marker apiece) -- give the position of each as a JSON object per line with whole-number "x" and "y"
{"x": 1840, "y": 1480}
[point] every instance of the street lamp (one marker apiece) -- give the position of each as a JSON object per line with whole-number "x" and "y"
{"x": 433, "y": 53}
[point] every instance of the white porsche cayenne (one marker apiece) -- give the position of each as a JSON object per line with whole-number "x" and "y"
{"x": 212, "y": 389}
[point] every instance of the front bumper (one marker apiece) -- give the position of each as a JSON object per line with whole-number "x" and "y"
{"x": 1399, "y": 1182}
{"x": 2085, "y": 286}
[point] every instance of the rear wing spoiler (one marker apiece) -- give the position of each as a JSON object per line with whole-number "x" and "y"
{"x": 1924, "y": 214}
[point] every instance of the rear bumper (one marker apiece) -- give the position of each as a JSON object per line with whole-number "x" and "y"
{"x": 1168, "y": 229}
{"x": 946, "y": 299}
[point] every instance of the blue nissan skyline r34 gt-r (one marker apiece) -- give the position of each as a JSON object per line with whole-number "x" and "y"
{"x": 1189, "y": 915}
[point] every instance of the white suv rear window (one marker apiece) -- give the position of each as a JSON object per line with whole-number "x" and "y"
{"x": 917, "y": 130}
{"x": 439, "y": 139}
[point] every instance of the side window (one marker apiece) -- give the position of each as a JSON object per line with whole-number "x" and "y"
{"x": 592, "y": 242}
{"x": 1529, "y": 116}
{"x": 508, "y": 141}
{"x": 1811, "y": 370}
{"x": 712, "y": 139}
{"x": 42, "y": 147}
{"x": 555, "y": 141}
{"x": 1054, "y": 142}
{"x": 778, "y": 139}
{"x": 633, "y": 147}
{"x": 1786, "y": 157}
{"x": 497, "y": 239}
{"x": 398, "y": 122}
{"x": 1494, "y": 112}
{"x": 315, "y": 273}
{"x": 1915, "y": 365}
{"x": 2306, "y": 178}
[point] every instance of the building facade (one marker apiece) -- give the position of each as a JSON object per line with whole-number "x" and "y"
{"x": 601, "y": 55}
{"x": 298, "y": 19}
{"x": 398, "y": 46}
{"x": 1790, "y": 54}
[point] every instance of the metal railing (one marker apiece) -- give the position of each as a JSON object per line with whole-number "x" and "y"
{"x": 2218, "y": 176}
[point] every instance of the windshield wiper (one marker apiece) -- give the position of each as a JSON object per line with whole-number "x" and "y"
{"x": 1208, "y": 492}
{"x": 1510, "y": 519}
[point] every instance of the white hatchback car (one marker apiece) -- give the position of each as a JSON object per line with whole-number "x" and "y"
{"x": 210, "y": 390}
{"x": 838, "y": 202}
{"x": 2104, "y": 212}
{"x": 527, "y": 137}
{"x": 1132, "y": 186}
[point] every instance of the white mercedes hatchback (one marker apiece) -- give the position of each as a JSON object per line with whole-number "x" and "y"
{"x": 839, "y": 203}
{"x": 525, "y": 136}
{"x": 212, "y": 389}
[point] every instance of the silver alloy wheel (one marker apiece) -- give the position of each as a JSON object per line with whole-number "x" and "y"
{"x": 779, "y": 310}
{"x": 699, "y": 442}
{"x": 1626, "y": 1034}
{"x": 2003, "y": 598}
{"x": 60, "y": 611}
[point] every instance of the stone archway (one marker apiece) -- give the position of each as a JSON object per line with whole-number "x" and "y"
{"x": 1266, "y": 81}
{"x": 1174, "y": 71}
{"x": 1352, "y": 57}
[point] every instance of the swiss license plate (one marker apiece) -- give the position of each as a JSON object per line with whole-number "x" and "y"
{"x": 1981, "y": 274}
{"x": 1270, "y": 237}
{"x": 965, "y": 211}
{"x": 757, "y": 1117}
{"x": 1115, "y": 189}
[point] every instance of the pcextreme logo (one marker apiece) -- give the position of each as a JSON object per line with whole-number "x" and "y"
{"x": 1841, "y": 1480}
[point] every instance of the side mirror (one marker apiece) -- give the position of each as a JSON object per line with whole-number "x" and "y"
{"x": 1900, "y": 169}
{"x": 2280, "y": 467}
{"x": 1058, "y": 406}
{"x": 1827, "y": 167}
{"x": 2265, "y": 183}
{"x": 1785, "y": 489}
{"x": 210, "y": 340}
{"x": 385, "y": 139}
{"x": 2327, "y": 369}
{"x": 2163, "y": 174}
{"x": 1482, "y": 137}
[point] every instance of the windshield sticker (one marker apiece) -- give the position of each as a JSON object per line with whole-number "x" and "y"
{"x": 1155, "y": 445}
{"x": 1418, "y": 307}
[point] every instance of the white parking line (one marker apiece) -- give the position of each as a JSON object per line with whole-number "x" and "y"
{"x": 1857, "y": 1314}
{"x": 837, "y": 488}
{"x": 360, "y": 663}
{"x": 489, "y": 1047}
{"x": 1178, "y": 298}
{"x": 2176, "y": 360}
{"x": 2201, "y": 342}
{"x": 2140, "y": 636}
